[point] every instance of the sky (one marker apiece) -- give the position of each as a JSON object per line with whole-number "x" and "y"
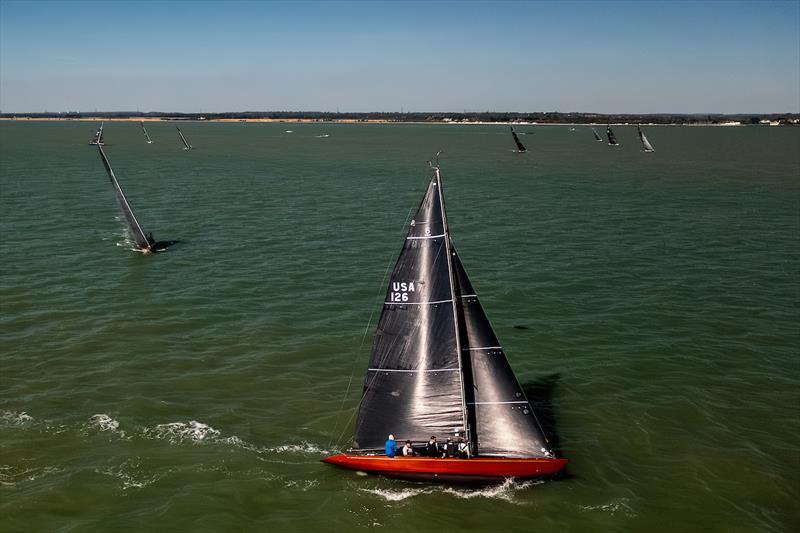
{"x": 449, "y": 56}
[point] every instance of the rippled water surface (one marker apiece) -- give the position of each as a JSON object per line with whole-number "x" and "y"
{"x": 649, "y": 302}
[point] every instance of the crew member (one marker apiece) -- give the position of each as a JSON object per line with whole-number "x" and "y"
{"x": 391, "y": 446}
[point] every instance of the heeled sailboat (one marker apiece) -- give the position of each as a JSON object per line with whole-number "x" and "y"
{"x": 437, "y": 368}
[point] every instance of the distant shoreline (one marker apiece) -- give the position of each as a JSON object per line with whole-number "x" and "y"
{"x": 384, "y": 121}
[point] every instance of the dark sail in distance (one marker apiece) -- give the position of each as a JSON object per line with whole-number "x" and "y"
{"x": 612, "y": 139}
{"x": 133, "y": 224}
{"x": 186, "y": 145}
{"x": 146, "y": 136}
{"x": 97, "y": 139}
{"x": 520, "y": 146}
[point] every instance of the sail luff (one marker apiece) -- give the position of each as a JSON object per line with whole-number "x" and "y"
{"x": 449, "y": 251}
{"x": 133, "y": 223}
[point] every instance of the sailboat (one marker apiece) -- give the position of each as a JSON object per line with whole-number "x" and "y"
{"x": 596, "y": 135}
{"x": 437, "y": 368}
{"x": 148, "y": 140}
{"x": 97, "y": 138}
{"x": 612, "y": 139}
{"x": 645, "y": 143}
{"x": 520, "y": 147}
{"x": 186, "y": 145}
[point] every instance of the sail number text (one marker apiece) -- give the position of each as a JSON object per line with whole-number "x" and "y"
{"x": 400, "y": 290}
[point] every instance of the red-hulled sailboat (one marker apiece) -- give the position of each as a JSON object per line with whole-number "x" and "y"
{"x": 437, "y": 368}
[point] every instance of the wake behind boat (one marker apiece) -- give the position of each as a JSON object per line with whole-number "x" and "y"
{"x": 612, "y": 139}
{"x": 143, "y": 242}
{"x": 97, "y": 138}
{"x": 520, "y": 147}
{"x": 437, "y": 368}
{"x": 648, "y": 148}
{"x": 186, "y": 145}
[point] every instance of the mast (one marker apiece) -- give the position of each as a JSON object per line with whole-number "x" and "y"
{"x": 449, "y": 251}
{"x": 186, "y": 145}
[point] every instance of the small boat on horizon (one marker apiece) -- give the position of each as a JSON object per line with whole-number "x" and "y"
{"x": 612, "y": 139}
{"x": 437, "y": 368}
{"x": 186, "y": 145}
{"x": 97, "y": 138}
{"x": 596, "y": 135}
{"x": 148, "y": 140}
{"x": 144, "y": 242}
{"x": 648, "y": 148}
{"x": 520, "y": 147}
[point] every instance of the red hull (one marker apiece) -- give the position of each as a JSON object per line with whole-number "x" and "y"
{"x": 480, "y": 469}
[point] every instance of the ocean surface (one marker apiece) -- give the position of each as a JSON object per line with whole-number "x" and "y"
{"x": 650, "y": 303}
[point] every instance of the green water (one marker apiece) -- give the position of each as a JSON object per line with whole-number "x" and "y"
{"x": 656, "y": 299}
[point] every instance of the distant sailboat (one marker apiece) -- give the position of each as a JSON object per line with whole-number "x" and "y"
{"x": 146, "y": 136}
{"x": 612, "y": 139}
{"x": 97, "y": 139}
{"x": 186, "y": 145}
{"x": 437, "y": 368}
{"x": 520, "y": 147}
{"x": 596, "y": 135}
{"x": 647, "y": 146}
{"x": 144, "y": 242}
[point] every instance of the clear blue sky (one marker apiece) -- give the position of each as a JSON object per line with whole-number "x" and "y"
{"x": 608, "y": 57}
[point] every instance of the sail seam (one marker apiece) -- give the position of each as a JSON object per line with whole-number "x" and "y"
{"x": 481, "y": 348}
{"x": 426, "y": 237}
{"x": 419, "y": 303}
{"x": 413, "y": 371}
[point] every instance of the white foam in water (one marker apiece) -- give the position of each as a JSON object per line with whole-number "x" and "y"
{"x": 14, "y": 418}
{"x": 304, "y": 448}
{"x": 104, "y": 422}
{"x": 177, "y": 432}
{"x": 504, "y": 491}
{"x": 620, "y": 506}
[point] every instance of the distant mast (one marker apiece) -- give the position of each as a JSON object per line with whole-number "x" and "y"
{"x": 645, "y": 143}
{"x": 520, "y": 147}
{"x": 596, "y": 136}
{"x": 186, "y": 145}
{"x": 148, "y": 140}
{"x": 612, "y": 139}
{"x": 97, "y": 139}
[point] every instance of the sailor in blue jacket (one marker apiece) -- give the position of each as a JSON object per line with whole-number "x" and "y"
{"x": 391, "y": 446}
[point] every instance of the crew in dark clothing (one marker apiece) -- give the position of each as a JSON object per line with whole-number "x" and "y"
{"x": 463, "y": 449}
{"x": 432, "y": 449}
{"x": 150, "y": 240}
{"x": 449, "y": 449}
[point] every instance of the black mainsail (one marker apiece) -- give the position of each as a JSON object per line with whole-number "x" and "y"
{"x": 645, "y": 143}
{"x": 186, "y": 145}
{"x": 97, "y": 138}
{"x": 135, "y": 228}
{"x": 413, "y": 386}
{"x": 596, "y": 135}
{"x": 520, "y": 146}
{"x": 436, "y": 366}
{"x": 612, "y": 139}
{"x": 146, "y": 136}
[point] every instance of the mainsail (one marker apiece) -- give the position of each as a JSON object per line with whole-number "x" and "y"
{"x": 501, "y": 418}
{"x": 97, "y": 138}
{"x": 647, "y": 146}
{"x": 135, "y": 228}
{"x": 520, "y": 146}
{"x": 612, "y": 139}
{"x": 413, "y": 387}
{"x": 146, "y": 136}
{"x": 596, "y": 135}
{"x": 436, "y": 366}
{"x": 186, "y": 145}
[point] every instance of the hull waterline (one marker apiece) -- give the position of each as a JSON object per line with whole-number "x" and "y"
{"x": 449, "y": 470}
